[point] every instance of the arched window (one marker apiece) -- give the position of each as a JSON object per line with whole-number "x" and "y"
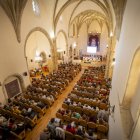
{"x": 35, "y": 7}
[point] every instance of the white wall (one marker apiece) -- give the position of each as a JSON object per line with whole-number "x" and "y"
{"x": 61, "y": 42}
{"x": 115, "y": 124}
{"x": 37, "y": 42}
{"x": 82, "y": 39}
{"x": 12, "y": 59}
{"x": 136, "y": 134}
{"x": 128, "y": 43}
{"x": 94, "y": 28}
{"x": 11, "y": 53}
{"x": 135, "y": 105}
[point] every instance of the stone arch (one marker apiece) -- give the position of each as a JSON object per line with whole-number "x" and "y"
{"x": 52, "y": 49}
{"x": 100, "y": 4}
{"x": 133, "y": 79}
{"x": 65, "y": 36}
{"x": 41, "y": 30}
{"x": 21, "y": 82}
{"x": 62, "y": 35}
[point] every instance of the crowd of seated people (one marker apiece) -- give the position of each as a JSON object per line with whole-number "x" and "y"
{"x": 25, "y": 109}
{"x": 38, "y": 71}
{"x": 85, "y": 112}
{"x": 10, "y": 126}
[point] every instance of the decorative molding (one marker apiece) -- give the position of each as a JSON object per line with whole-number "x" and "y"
{"x": 14, "y": 10}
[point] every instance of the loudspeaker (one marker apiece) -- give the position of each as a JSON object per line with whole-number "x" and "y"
{"x": 25, "y": 74}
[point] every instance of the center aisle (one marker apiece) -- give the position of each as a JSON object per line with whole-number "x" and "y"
{"x": 51, "y": 112}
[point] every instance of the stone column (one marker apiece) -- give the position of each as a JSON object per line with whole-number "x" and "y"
{"x": 55, "y": 59}
{"x": 110, "y": 56}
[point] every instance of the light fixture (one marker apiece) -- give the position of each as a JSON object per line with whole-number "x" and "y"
{"x": 38, "y": 59}
{"x": 61, "y": 18}
{"x": 25, "y": 73}
{"x": 74, "y": 45}
{"x": 52, "y": 34}
{"x": 113, "y": 63}
{"x": 111, "y": 34}
{"x": 107, "y": 45}
{"x": 37, "y": 53}
{"x": 59, "y": 50}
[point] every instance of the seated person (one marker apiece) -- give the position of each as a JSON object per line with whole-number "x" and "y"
{"x": 85, "y": 117}
{"x": 90, "y": 135}
{"x": 102, "y": 122}
{"x": 51, "y": 126}
{"x": 93, "y": 118}
{"x": 61, "y": 111}
{"x": 45, "y": 135}
{"x": 76, "y": 115}
{"x": 70, "y": 128}
{"x": 102, "y": 114}
{"x": 80, "y": 131}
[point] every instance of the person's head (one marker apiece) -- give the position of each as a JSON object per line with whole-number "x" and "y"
{"x": 11, "y": 120}
{"x": 79, "y": 129}
{"x": 90, "y": 132}
{"x": 52, "y": 120}
{"x": 67, "y": 111}
{"x": 69, "y": 126}
{"x": 101, "y": 121}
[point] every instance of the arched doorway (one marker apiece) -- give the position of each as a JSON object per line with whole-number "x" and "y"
{"x": 133, "y": 83}
{"x": 38, "y": 52}
{"x": 131, "y": 98}
{"x": 61, "y": 44}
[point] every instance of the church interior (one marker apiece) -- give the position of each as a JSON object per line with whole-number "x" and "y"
{"x": 69, "y": 70}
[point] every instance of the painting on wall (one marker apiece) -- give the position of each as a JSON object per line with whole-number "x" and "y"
{"x": 93, "y": 44}
{"x": 12, "y": 88}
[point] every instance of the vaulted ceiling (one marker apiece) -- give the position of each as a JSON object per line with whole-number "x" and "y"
{"x": 81, "y": 11}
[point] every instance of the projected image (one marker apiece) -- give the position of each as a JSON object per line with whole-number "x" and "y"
{"x": 93, "y": 43}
